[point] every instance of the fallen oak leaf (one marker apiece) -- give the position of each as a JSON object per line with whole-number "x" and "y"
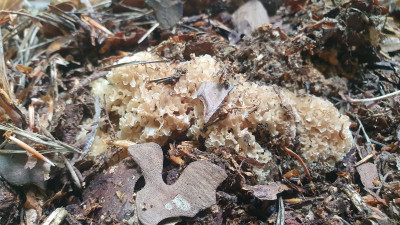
{"x": 194, "y": 190}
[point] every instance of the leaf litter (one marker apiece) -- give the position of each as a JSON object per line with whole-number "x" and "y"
{"x": 345, "y": 52}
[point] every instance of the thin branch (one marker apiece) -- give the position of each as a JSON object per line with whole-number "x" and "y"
{"x": 133, "y": 63}
{"x": 375, "y": 98}
{"x": 148, "y": 32}
{"x": 72, "y": 171}
{"x": 363, "y": 160}
{"x": 363, "y": 130}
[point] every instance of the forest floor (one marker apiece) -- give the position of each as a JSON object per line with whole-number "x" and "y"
{"x": 344, "y": 52}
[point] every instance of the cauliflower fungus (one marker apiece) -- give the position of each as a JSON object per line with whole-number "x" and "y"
{"x": 150, "y": 111}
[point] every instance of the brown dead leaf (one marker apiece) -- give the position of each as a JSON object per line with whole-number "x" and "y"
{"x": 292, "y": 173}
{"x": 12, "y": 110}
{"x": 24, "y": 69}
{"x": 212, "y": 95}
{"x": 268, "y": 191}
{"x": 194, "y": 190}
{"x": 57, "y": 45}
{"x": 8, "y": 5}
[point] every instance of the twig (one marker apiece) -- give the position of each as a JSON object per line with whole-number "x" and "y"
{"x": 292, "y": 153}
{"x": 375, "y": 98}
{"x": 363, "y": 130}
{"x": 344, "y": 221}
{"x": 72, "y": 171}
{"x": 377, "y": 197}
{"x": 357, "y": 200}
{"x": 148, "y": 32}
{"x": 134, "y": 63}
{"x": 280, "y": 220}
{"x": 88, "y": 80}
{"x": 383, "y": 181}
{"x": 108, "y": 118}
{"x": 25, "y": 14}
{"x": 27, "y": 147}
{"x": 363, "y": 160}
{"x": 3, "y": 72}
{"x": 4, "y": 143}
{"x": 46, "y": 140}
{"x": 92, "y": 133}
{"x": 377, "y": 143}
{"x": 56, "y": 217}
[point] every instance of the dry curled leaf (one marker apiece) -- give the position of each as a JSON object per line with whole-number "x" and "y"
{"x": 212, "y": 95}
{"x": 194, "y": 190}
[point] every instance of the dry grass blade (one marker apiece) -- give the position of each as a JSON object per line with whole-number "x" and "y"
{"x": 54, "y": 144}
{"x": 13, "y": 151}
{"x": 25, "y": 14}
{"x": 18, "y": 28}
{"x": 73, "y": 173}
{"x": 3, "y": 72}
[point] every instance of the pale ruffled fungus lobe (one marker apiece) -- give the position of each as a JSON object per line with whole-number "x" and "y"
{"x": 152, "y": 112}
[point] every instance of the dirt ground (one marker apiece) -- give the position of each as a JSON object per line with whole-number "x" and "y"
{"x": 68, "y": 157}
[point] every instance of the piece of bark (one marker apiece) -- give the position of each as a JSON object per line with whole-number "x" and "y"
{"x": 249, "y": 17}
{"x": 113, "y": 190}
{"x": 9, "y": 204}
{"x": 194, "y": 190}
{"x": 268, "y": 191}
{"x": 212, "y": 95}
{"x": 368, "y": 174}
